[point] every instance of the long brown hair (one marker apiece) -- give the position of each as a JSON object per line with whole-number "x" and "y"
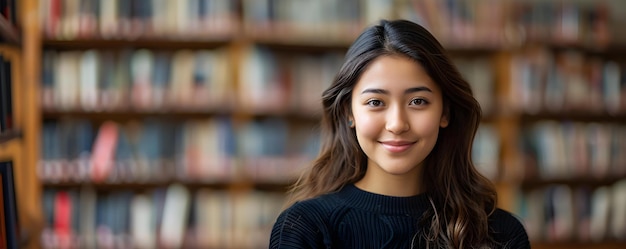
{"x": 461, "y": 198}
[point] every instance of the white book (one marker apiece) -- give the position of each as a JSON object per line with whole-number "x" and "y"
{"x": 70, "y": 19}
{"x": 66, "y": 77}
{"x": 618, "y": 220}
{"x": 89, "y": 74}
{"x": 181, "y": 87}
{"x": 141, "y": 76}
{"x": 222, "y": 90}
{"x": 175, "y": 210}
{"x": 159, "y": 17}
{"x": 245, "y": 214}
{"x": 182, "y": 18}
{"x": 192, "y": 27}
{"x": 486, "y": 151}
{"x": 482, "y": 82}
{"x": 215, "y": 218}
{"x": 601, "y": 203}
{"x": 108, "y": 18}
{"x": 142, "y": 228}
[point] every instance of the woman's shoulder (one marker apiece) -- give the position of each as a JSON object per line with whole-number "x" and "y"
{"x": 319, "y": 205}
{"x": 508, "y": 229}
{"x": 304, "y": 223}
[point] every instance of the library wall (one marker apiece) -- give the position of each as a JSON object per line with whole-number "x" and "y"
{"x": 182, "y": 123}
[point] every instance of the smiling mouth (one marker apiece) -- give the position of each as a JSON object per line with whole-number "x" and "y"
{"x": 397, "y": 147}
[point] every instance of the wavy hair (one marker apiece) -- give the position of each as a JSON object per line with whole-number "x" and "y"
{"x": 461, "y": 198}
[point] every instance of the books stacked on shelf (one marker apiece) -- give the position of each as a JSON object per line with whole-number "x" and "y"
{"x": 169, "y": 217}
{"x": 565, "y": 213}
{"x": 137, "y": 80}
{"x": 323, "y": 21}
{"x": 567, "y": 81}
{"x": 213, "y": 150}
{"x": 486, "y": 151}
{"x": 139, "y": 19}
{"x": 580, "y": 23}
{"x": 570, "y": 150}
{"x": 274, "y": 82}
{"x": 479, "y": 72}
{"x": 6, "y": 95}
{"x": 460, "y": 23}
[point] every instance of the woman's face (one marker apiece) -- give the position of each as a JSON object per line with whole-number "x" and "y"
{"x": 397, "y": 110}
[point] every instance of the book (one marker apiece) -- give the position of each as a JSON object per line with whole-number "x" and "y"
{"x": 11, "y": 226}
{"x": 142, "y": 227}
{"x": 89, "y": 70}
{"x": 5, "y": 94}
{"x": 175, "y": 211}
{"x": 618, "y": 210}
{"x": 103, "y": 151}
{"x": 141, "y": 68}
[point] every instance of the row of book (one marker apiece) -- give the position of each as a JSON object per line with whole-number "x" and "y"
{"x": 557, "y": 150}
{"x": 130, "y": 19}
{"x": 560, "y": 213}
{"x": 185, "y": 80}
{"x": 212, "y": 150}
{"x": 457, "y": 22}
{"x": 207, "y": 150}
{"x": 143, "y": 79}
{"x": 567, "y": 81}
{"x": 6, "y": 95}
{"x": 167, "y": 217}
{"x": 480, "y": 74}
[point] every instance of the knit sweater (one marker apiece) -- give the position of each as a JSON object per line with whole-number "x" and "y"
{"x": 353, "y": 218}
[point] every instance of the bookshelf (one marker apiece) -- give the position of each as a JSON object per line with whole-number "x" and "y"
{"x": 265, "y": 61}
{"x": 20, "y": 192}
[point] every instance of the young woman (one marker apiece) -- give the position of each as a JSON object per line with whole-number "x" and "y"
{"x": 394, "y": 169}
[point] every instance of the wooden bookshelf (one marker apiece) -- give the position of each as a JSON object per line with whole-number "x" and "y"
{"x": 509, "y": 120}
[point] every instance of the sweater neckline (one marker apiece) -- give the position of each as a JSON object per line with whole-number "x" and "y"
{"x": 378, "y": 203}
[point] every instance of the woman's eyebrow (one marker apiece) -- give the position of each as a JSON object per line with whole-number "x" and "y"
{"x": 417, "y": 89}
{"x": 407, "y": 91}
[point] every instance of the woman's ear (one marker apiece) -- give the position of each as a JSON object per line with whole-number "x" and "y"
{"x": 351, "y": 122}
{"x": 444, "y": 121}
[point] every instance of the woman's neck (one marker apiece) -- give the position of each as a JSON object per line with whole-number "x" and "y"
{"x": 380, "y": 182}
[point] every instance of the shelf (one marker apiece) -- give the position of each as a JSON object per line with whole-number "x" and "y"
{"x": 582, "y": 116}
{"x": 575, "y": 245}
{"x": 10, "y": 135}
{"x": 177, "y": 115}
{"x": 575, "y": 181}
{"x": 241, "y": 184}
{"x": 8, "y": 32}
{"x": 154, "y": 43}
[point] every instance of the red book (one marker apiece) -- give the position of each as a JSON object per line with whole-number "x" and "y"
{"x": 104, "y": 151}
{"x": 63, "y": 219}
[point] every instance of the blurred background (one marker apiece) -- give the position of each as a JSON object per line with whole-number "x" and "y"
{"x": 181, "y": 124}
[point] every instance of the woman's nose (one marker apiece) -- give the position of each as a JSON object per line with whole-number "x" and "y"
{"x": 397, "y": 121}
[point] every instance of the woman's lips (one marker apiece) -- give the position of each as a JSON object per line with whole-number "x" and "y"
{"x": 397, "y": 146}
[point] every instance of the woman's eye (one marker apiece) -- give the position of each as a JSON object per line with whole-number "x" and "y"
{"x": 374, "y": 102}
{"x": 418, "y": 102}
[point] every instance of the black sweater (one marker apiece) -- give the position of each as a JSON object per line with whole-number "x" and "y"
{"x": 353, "y": 218}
